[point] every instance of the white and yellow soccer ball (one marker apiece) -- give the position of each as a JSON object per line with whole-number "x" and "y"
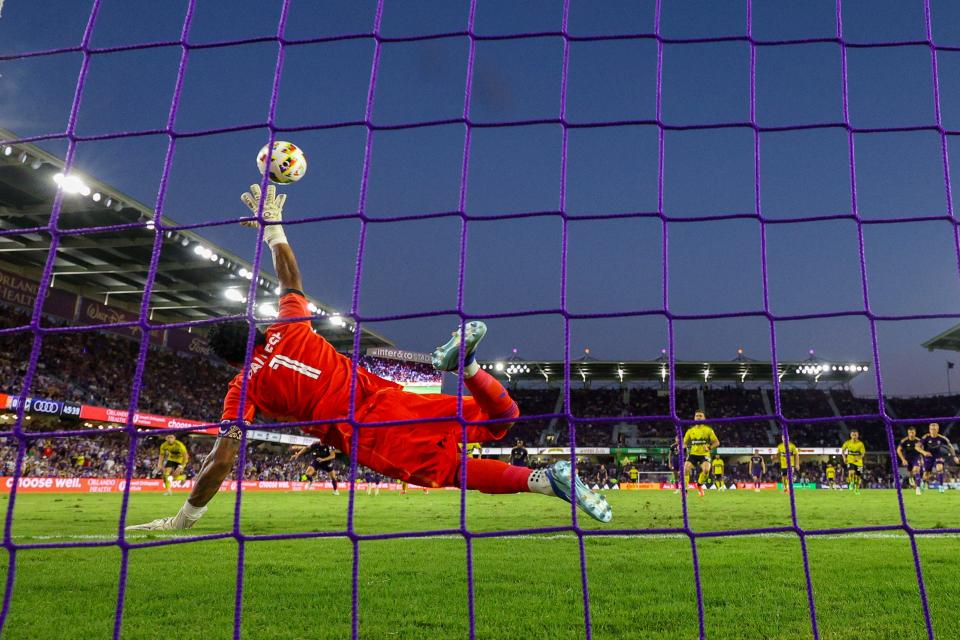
{"x": 287, "y": 163}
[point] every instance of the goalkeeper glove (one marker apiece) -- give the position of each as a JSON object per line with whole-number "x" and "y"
{"x": 272, "y": 212}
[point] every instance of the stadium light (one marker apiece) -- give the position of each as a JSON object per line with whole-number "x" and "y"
{"x": 337, "y": 321}
{"x": 71, "y": 184}
{"x": 277, "y": 291}
{"x": 243, "y": 272}
{"x": 499, "y": 366}
{"x": 234, "y": 295}
{"x": 97, "y": 197}
{"x": 151, "y": 224}
{"x": 23, "y": 158}
{"x": 8, "y": 150}
{"x": 214, "y": 257}
{"x": 268, "y": 310}
{"x": 312, "y": 308}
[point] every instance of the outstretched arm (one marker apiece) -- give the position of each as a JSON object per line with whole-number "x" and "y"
{"x": 284, "y": 261}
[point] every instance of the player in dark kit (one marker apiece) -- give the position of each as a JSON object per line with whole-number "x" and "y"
{"x": 757, "y": 468}
{"x": 324, "y": 459}
{"x": 518, "y": 455}
{"x": 911, "y": 458}
{"x": 675, "y": 464}
{"x": 295, "y": 375}
{"x": 935, "y": 450}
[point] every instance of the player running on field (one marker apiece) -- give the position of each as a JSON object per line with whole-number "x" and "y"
{"x": 675, "y": 464}
{"x": 831, "y": 472}
{"x": 296, "y": 375}
{"x": 699, "y": 441}
{"x": 786, "y": 464}
{"x": 718, "y": 473}
{"x": 909, "y": 453}
{"x": 173, "y": 458}
{"x": 323, "y": 460}
{"x": 853, "y": 451}
{"x": 935, "y": 449}
{"x": 757, "y": 470}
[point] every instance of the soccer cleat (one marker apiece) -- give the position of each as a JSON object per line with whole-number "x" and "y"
{"x": 919, "y": 491}
{"x": 447, "y": 357}
{"x": 700, "y": 491}
{"x": 594, "y": 504}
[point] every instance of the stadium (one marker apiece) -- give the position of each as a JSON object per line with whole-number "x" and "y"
{"x": 714, "y": 246}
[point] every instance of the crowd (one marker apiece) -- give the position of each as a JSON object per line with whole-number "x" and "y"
{"x": 98, "y": 368}
{"x": 402, "y": 372}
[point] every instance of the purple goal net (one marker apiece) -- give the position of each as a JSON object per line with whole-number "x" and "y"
{"x": 24, "y": 437}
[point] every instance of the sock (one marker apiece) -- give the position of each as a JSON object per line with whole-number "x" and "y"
{"x": 334, "y": 482}
{"x": 470, "y": 368}
{"x": 491, "y": 396}
{"x": 191, "y": 511}
{"x": 940, "y": 478}
{"x": 702, "y": 478}
{"x": 377, "y": 491}
{"x": 496, "y": 476}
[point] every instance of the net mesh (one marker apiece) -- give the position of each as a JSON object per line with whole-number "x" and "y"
{"x": 23, "y": 437}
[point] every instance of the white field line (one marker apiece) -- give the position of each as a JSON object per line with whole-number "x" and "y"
{"x": 862, "y": 535}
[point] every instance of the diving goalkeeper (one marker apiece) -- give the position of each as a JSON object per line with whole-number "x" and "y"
{"x": 296, "y": 375}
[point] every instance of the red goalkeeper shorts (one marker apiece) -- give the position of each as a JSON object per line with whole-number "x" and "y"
{"x": 424, "y": 453}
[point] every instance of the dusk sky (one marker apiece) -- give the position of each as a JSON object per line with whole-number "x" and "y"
{"x": 515, "y": 265}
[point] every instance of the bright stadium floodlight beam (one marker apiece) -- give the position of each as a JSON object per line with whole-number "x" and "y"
{"x": 268, "y": 310}
{"x": 198, "y": 249}
{"x": 8, "y": 150}
{"x": 312, "y": 308}
{"x": 234, "y": 295}
{"x": 97, "y": 197}
{"x": 499, "y": 366}
{"x": 242, "y": 273}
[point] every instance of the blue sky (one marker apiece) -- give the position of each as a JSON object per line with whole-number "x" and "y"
{"x": 514, "y": 265}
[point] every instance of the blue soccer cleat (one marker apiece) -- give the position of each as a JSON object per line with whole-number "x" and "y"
{"x": 447, "y": 357}
{"x": 593, "y": 503}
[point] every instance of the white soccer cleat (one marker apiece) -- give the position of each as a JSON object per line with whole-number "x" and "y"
{"x": 178, "y": 522}
{"x": 160, "y": 524}
{"x": 594, "y": 504}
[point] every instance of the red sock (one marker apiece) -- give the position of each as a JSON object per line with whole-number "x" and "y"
{"x": 491, "y": 396}
{"x": 494, "y": 476}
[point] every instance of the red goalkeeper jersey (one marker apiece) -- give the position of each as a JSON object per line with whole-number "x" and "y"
{"x": 297, "y": 375}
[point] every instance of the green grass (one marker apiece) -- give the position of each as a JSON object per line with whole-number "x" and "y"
{"x": 525, "y": 587}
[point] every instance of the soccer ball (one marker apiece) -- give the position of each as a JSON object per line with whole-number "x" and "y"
{"x": 287, "y": 164}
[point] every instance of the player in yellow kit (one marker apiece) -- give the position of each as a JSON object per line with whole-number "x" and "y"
{"x": 173, "y": 458}
{"x": 699, "y": 441}
{"x": 718, "y": 482}
{"x": 786, "y": 464}
{"x": 853, "y": 452}
{"x": 831, "y": 475}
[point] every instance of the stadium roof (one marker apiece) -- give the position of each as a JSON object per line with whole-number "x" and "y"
{"x": 740, "y": 369}
{"x": 949, "y": 340}
{"x": 110, "y": 265}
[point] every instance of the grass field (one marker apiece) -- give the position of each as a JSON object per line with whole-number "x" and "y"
{"x": 526, "y": 587}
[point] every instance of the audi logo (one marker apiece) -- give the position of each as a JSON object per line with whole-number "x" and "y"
{"x": 46, "y": 406}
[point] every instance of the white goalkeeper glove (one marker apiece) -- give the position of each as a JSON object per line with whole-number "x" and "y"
{"x": 185, "y": 519}
{"x": 272, "y": 212}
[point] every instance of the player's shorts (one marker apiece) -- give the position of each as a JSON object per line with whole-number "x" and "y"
{"x": 697, "y": 460}
{"x": 717, "y": 476}
{"x": 929, "y": 464}
{"x": 757, "y": 472}
{"x": 424, "y": 453}
{"x": 675, "y": 464}
{"x": 325, "y": 465}
{"x": 857, "y": 469}
{"x": 171, "y": 464}
{"x": 914, "y": 461}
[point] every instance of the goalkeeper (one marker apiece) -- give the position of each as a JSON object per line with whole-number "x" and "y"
{"x": 296, "y": 375}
